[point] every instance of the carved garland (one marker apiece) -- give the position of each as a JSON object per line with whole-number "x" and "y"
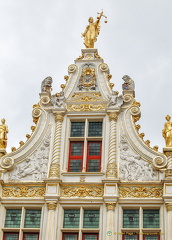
{"x": 86, "y": 107}
{"x": 23, "y": 191}
{"x": 140, "y": 192}
{"x": 82, "y": 191}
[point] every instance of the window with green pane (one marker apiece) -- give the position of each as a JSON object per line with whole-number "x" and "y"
{"x": 130, "y": 218}
{"x": 13, "y": 218}
{"x": 150, "y": 218}
{"x": 70, "y": 236}
{"x": 71, "y": 218}
{"x": 95, "y": 129}
{"x": 32, "y": 218}
{"x": 77, "y": 129}
{"x": 11, "y": 236}
{"x": 151, "y": 237}
{"x": 91, "y": 219}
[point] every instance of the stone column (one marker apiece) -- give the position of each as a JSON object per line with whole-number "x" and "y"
{"x": 111, "y": 171}
{"x": 110, "y": 206}
{"x": 169, "y": 221}
{"x": 55, "y": 164}
{"x": 50, "y": 229}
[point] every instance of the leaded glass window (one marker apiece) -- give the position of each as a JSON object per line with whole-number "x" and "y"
{"x": 71, "y": 218}
{"x": 32, "y": 218}
{"x": 94, "y": 156}
{"x": 77, "y": 129}
{"x": 90, "y": 236}
{"x": 68, "y": 236}
{"x": 151, "y": 237}
{"x": 130, "y": 237}
{"x": 30, "y": 236}
{"x": 130, "y": 218}
{"x": 95, "y": 129}
{"x": 91, "y": 219}
{"x": 150, "y": 218}
{"x": 13, "y": 218}
{"x": 11, "y": 236}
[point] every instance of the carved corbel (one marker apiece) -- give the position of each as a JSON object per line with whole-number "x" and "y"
{"x": 113, "y": 116}
{"x": 51, "y": 205}
{"x": 110, "y": 206}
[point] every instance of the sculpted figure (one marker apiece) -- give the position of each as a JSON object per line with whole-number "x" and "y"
{"x": 58, "y": 99}
{"x": 113, "y": 98}
{"x": 128, "y": 83}
{"x": 3, "y": 134}
{"x": 46, "y": 85}
{"x": 92, "y": 31}
{"x": 167, "y": 132}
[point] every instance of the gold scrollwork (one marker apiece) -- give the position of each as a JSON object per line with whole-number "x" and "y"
{"x": 23, "y": 191}
{"x": 113, "y": 116}
{"x": 168, "y": 173}
{"x": 140, "y": 192}
{"x": 86, "y": 107}
{"x": 82, "y": 191}
{"x": 58, "y": 117}
{"x": 169, "y": 207}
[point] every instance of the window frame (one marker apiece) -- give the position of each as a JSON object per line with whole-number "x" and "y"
{"x": 85, "y": 139}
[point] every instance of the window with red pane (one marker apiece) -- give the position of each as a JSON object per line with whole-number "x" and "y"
{"x": 11, "y": 236}
{"x": 90, "y": 236}
{"x": 30, "y": 236}
{"x": 85, "y": 146}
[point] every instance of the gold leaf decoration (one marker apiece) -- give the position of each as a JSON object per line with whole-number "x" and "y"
{"x": 23, "y": 191}
{"x": 86, "y": 107}
{"x": 82, "y": 191}
{"x": 140, "y": 192}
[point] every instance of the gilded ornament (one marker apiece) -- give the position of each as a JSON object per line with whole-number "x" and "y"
{"x": 23, "y": 191}
{"x": 168, "y": 173}
{"x": 159, "y": 162}
{"x": 141, "y": 135}
{"x": 111, "y": 85}
{"x": 169, "y": 207}
{"x": 80, "y": 57}
{"x": 109, "y": 76}
{"x": 52, "y": 205}
{"x": 137, "y": 127}
{"x": 127, "y": 98}
{"x": 92, "y": 94}
{"x": 33, "y": 128}
{"x": 54, "y": 170}
{"x": 63, "y": 86}
{"x": 92, "y": 31}
{"x": 13, "y": 149}
{"x": 168, "y": 154}
{"x": 167, "y": 132}
{"x": 147, "y": 143}
{"x": 104, "y": 67}
{"x": 66, "y": 78}
{"x": 88, "y": 56}
{"x": 28, "y": 136}
{"x": 36, "y": 112}
{"x": 140, "y": 192}
{"x": 21, "y": 143}
{"x": 87, "y": 99}
{"x": 86, "y": 107}
{"x": 113, "y": 116}
{"x": 111, "y": 171}
{"x": 88, "y": 78}
{"x": 82, "y": 178}
{"x": 58, "y": 117}
{"x": 72, "y": 68}
{"x": 110, "y": 206}
{"x": 82, "y": 191}
{"x": 96, "y": 55}
{"x": 135, "y": 110}
{"x": 136, "y": 103}
{"x": 155, "y": 148}
{"x": 45, "y": 100}
{"x": 3, "y": 134}
{"x": 7, "y": 163}
{"x": 136, "y": 118}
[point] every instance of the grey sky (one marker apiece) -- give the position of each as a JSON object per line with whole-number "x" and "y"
{"x": 40, "y": 38}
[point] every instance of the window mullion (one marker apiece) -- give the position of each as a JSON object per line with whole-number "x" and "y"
{"x": 141, "y": 223}
{"x": 85, "y": 146}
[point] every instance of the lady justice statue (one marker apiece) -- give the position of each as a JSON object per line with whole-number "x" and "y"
{"x": 92, "y": 31}
{"x": 167, "y": 132}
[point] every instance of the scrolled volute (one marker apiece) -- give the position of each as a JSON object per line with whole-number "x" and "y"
{"x": 7, "y": 163}
{"x": 159, "y": 162}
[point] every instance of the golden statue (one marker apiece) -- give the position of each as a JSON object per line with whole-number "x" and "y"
{"x": 167, "y": 132}
{"x": 3, "y": 134}
{"x": 92, "y": 31}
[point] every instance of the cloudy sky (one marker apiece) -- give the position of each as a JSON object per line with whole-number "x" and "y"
{"x": 40, "y": 38}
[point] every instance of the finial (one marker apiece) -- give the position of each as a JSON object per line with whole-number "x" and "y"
{"x": 3, "y": 134}
{"x": 92, "y": 30}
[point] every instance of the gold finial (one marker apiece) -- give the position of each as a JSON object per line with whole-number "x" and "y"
{"x": 32, "y": 128}
{"x": 141, "y": 135}
{"x": 155, "y": 148}
{"x": 66, "y": 78}
{"x": 167, "y": 132}
{"x": 92, "y": 30}
{"x": 3, "y": 134}
{"x": 13, "y": 149}
{"x": 147, "y": 143}
{"x": 21, "y": 143}
{"x": 28, "y": 136}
